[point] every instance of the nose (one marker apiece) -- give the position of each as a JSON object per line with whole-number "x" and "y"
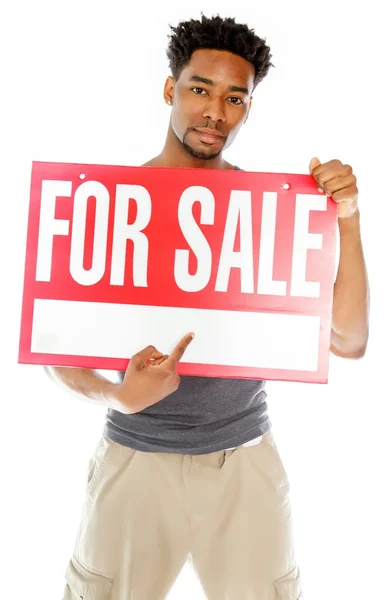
{"x": 214, "y": 110}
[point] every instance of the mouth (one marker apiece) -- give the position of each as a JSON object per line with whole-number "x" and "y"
{"x": 209, "y": 136}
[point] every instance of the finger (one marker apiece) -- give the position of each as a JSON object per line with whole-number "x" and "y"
{"x": 139, "y": 359}
{"x": 314, "y": 163}
{"x": 158, "y": 361}
{"x": 331, "y": 164}
{"x": 339, "y": 183}
{"x": 179, "y": 349}
{"x": 349, "y": 193}
{"x": 335, "y": 173}
{"x": 330, "y": 171}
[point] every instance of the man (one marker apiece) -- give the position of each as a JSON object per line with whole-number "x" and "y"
{"x": 193, "y": 470}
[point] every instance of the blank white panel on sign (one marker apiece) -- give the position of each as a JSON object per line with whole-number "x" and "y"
{"x": 231, "y": 338}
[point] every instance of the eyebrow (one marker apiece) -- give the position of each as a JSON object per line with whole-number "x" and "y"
{"x": 232, "y": 88}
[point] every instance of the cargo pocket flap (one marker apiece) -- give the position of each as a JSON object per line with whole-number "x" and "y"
{"x": 86, "y": 585}
{"x": 289, "y": 587}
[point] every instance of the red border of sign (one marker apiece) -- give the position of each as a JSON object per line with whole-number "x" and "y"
{"x": 27, "y": 357}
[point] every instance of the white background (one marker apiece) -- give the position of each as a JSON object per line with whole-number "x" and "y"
{"x": 83, "y": 82}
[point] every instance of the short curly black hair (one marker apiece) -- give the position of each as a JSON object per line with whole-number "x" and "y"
{"x": 218, "y": 34}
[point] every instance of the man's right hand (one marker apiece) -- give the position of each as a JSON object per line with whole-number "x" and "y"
{"x": 150, "y": 377}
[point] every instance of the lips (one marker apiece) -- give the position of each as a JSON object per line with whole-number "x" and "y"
{"x": 209, "y": 137}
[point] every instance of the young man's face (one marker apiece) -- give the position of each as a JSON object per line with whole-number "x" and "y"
{"x": 213, "y": 92}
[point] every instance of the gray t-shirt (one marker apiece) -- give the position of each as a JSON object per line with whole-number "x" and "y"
{"x": 204, "y": 415}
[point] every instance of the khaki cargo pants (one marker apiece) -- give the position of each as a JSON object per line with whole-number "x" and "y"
{"x": 147, "y": 513}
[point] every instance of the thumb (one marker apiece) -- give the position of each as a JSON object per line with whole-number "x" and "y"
{"x": 314, "y": 163}
{"x": 150, "y": 352}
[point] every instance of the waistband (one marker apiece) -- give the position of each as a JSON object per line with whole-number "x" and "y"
{"x": 254, "y": 442}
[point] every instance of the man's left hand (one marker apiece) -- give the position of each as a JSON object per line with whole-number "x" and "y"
{"x": 338, "y": 181}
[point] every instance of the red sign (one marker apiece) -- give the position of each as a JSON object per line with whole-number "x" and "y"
{"x": 122, "y": 257}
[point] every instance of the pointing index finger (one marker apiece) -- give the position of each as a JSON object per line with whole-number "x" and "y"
{"x": 179, "y": 349}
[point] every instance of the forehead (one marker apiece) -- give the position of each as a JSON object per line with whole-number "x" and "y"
{"x": 224, "y": 68}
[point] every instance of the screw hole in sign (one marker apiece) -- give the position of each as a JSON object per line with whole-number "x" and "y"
{"x": 286, "y": 186}
{"x": 82, "y": 176}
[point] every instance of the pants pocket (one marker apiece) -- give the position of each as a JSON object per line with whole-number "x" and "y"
{"x": 82, "y": 584}
{"x": 266, "y": 460}
{"x": 269, "y": 440}
{"x": 289, "y": 587}
{"x": 97, "y": 463}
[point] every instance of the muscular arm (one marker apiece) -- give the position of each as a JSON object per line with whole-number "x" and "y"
{"x": 150, "y": 377}
{"x": 349, "y": 334}
{"x": 84, "y": 383}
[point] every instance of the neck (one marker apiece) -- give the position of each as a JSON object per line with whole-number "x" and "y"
{"x": 174, "y": 155}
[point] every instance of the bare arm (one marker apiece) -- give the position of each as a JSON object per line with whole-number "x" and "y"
{"x": 351, "y": 294}
{"x": 349, "y": 334}
{"x": 150, "y": 377}
{"x": 84, "y": 383}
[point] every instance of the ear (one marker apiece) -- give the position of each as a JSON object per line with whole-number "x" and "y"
{"x": 169, "y": 88}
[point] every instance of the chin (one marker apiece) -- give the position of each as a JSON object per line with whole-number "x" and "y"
{"x": 201, "y": 154}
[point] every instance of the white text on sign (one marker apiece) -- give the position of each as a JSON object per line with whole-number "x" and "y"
{"x": 239, "y": 217}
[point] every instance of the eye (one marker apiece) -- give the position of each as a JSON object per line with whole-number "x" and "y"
{"x": 198, "y": 89}
{"x": 240, "y": 101}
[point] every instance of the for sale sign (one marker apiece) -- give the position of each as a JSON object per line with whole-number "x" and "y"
{"x": 122, "y": 257}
